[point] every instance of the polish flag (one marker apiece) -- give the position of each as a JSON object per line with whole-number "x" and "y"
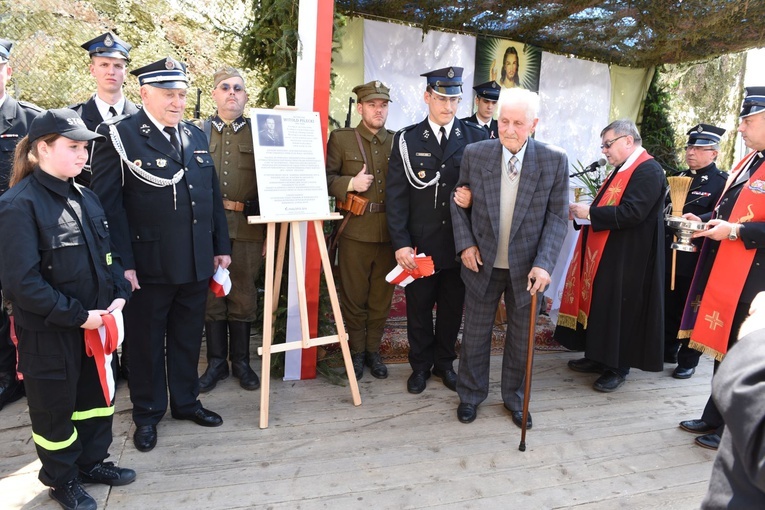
{"x": 220, "y": 282}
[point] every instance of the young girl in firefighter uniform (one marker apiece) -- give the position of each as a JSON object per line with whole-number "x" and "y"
{"x": 67, "y": 289}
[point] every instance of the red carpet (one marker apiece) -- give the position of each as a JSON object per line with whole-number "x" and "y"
{"x": 395, "y": 347}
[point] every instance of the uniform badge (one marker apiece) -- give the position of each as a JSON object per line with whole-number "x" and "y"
{"x": 187, "y": 131}
{"x": 236, "y": 126}
{"x": 108, "y": 41}
{"x": 9, "y": 135}
{"x": 704, "y": 178}
{"x": 758, "y": 187}
{"x": 457, "y": 132}
{"x": 426, "y": 134}
{"x": 700, "y": 129}
{"x": 450, "y": 73}
{"x": 161, "y": 163}
{"x": 423, "y": 154}
{"x": 219, "y": 125}
{"x": 169, "y": 64}
{"x": 145, "y": 129}
{"x": 421, "y": 174}
{"x": 109, "y": 259}
{"x": 199, "y": 158}
{"x": 137, "y": 163}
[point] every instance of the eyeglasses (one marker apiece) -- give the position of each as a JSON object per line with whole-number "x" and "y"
{"x": 692, "y": 148}
{"x": 225, "y": 87}
{"x": 443, "y": 100}
{"x": 609, "y": 143}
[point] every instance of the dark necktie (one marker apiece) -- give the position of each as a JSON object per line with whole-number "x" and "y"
{"x": 443, "y": 138}
{"x": 112, "y": 111}
{"x": 173, "y": 138}
{"x": 512, "y": 168}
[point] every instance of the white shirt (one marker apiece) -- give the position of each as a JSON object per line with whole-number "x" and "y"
{"x": 437, "y": 129}
{"x": 103, "y": 107}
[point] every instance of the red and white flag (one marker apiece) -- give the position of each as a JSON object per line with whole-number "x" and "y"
{"x": 220, "y": 282}
{"x": 403, "y": 277}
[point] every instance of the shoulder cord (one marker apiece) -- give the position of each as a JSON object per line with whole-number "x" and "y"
{"x": 140, "y": 174}
{"x": 414, "y": 181}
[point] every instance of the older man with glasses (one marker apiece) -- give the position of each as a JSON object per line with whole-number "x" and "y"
{"x": 423, "y": 170}
{"x": 612, "y": 305}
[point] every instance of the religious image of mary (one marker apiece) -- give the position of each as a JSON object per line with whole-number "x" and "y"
{"x": 509, "y": 63}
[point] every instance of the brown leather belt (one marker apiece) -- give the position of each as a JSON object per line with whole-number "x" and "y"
{"x": 375, "y": 208}
{"x": 230, "y": 205}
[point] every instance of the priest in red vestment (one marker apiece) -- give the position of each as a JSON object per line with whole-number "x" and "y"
{"x": 612, "y": 304}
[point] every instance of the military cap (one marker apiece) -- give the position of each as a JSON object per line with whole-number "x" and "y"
{"x": 224, "y": 73}
{"x": 488, "y": 90}
{"x": 165, "y": 73}
{"x": 64, "y": 122}
{"x": 108, "y": 45}
{"x": 702, "y": 135}
{"x": 5, "y": 50}
{"x": 446, "y": 81}
{"x": 371, "y": 90}
{"x": 754, "y": 101}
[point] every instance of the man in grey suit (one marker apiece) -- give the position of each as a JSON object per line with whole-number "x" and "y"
{"x": 508, "y": 241}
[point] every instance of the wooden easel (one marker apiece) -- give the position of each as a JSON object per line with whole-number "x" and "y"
{"x": 274, "y": 267}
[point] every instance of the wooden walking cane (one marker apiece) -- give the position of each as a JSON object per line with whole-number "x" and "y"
{"x": 529, "y": 363}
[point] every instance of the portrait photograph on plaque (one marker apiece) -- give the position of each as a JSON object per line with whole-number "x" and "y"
{"x": 289, "y": 156}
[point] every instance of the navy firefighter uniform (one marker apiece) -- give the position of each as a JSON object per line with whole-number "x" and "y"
{"x": 166, "y": 212}
{"x": 421, "y": 178}
{"x": 60, "y": 265}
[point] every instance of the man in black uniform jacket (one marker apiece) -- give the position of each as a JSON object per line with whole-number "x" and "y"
{"x": 109, "y": 57}
{"x": 15, "y": 117}
{"x": 423, "y": 171}
{"x": 703, "y": 194}
{"x": 486, "y": 97}
{"x": 157, "y": 182}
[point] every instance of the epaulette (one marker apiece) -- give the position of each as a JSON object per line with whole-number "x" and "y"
{"x": 76, "y": 106}
{"x": 190, "y": 123}
{"x": 407, "y": 128}
{"x": 471, "y": 124}
{"x": 116, "y": 119}
{"x": 30, "y": 106}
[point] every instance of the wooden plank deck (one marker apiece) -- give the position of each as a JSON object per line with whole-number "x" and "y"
{"x": 587, "y": 450}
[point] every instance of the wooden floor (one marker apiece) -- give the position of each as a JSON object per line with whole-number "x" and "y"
{"x": 587, "y": 450}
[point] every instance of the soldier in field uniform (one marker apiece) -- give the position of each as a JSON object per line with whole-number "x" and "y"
{"x": 357, "y": 161}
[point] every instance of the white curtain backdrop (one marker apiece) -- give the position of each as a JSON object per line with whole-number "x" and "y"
{"x": 576, "y": 96}
{"x": 397, "y": 55}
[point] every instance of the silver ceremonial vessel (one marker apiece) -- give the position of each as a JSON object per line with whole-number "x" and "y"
{"x": 684, "y": 229}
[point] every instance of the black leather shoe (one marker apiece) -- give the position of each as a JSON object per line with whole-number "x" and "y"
{"x": 416, "y": 382}
{"x": 358, "y": 364}
{"x": 145, "y": 438}
{"x": 217, "y": 370}
{"x": 201, "y": 416}
{"x": 10, "y": 389}
{"x": 108, "y": 474}
{"x": 709, "y": 441}
{"x": 466, "y": 413}
{"x": 518, "y": 419}
{"x": 586, "y": 366}
{"x": 683, "y": 373}
{"x": 72, "y": 496}
{"x": 448, "y": 377}
{"x": 376, "y": 366}
{"x": 697, "y": 427}
{"x": 248, "y": 379}
{"x": 608, "y": 382}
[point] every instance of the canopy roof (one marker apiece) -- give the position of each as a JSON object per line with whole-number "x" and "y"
{"x": 637, "y": 33}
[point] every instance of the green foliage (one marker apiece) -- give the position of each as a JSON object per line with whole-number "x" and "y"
{"x": 656, "y": 129}
{"x": 590, "y": 181}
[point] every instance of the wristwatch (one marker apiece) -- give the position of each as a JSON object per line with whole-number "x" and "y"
{"x": 588, "y": 217}
{"x": 733, "y": 233}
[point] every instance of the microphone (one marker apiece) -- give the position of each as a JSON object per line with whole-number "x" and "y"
{"x": 593, "y": 166}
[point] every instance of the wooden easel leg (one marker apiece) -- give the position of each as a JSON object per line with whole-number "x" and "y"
{"x": 270, "y": 301}
{"x": 341, "y": 334}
